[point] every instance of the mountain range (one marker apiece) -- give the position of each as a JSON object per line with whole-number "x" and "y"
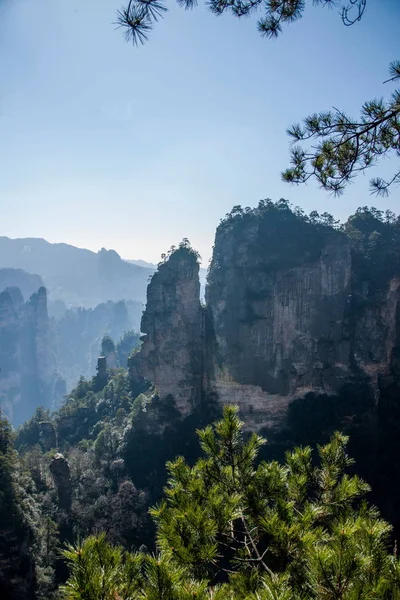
{"x": 76, "y": 276}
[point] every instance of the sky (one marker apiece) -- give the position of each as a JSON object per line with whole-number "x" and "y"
{"x": 107, "y": 145}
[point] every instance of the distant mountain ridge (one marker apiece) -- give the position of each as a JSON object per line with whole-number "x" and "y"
{"x": 142, "y": 263}
{"x": 77, "y": 276}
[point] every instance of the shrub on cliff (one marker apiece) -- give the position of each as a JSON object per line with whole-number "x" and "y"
{"x": 229, "y": 529}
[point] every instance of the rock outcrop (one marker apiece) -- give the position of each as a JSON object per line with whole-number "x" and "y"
{"x": 61, "y": 472}
{"x": 172, "y": 350}
{"x": 277, "y": 302}
{"x": 78, "y": 335}
{"x": 10, "y": 351}
{"x": 293, "y": 311}
{"x": 26, "y": 359}
{"x": 27, "y": 283}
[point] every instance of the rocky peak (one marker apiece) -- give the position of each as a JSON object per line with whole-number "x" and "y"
{"x": 295, "y": 310}
{"x": 15, "y": 296}
{"x": 26, "y": 283}
{"x": 171, "y": 355}
{"x": 10, "y": 354}
{"x": 60, "y": 470}
{"x": 27, "y": 363}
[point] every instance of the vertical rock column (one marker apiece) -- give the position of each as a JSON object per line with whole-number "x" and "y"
{"x": 60, "y": 470}
{"x": 171, "y": 355}
{"x": 37, "y": 360}
{"x": 10, "y": 371}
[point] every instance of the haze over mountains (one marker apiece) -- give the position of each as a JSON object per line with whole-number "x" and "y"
{"x": 57, "y": 302}
{"x": 76, "y": 276}
{"x": 300, "y": 329}
{"x": 27, "y": 283}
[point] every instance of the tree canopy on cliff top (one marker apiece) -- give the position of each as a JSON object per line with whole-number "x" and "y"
{"x": 345, "y": 146}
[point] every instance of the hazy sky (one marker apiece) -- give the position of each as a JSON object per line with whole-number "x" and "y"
{"x": 103, "y": 144}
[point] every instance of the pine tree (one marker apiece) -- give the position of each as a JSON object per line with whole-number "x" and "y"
{"x": 345, "y": 146}
{"x": 231, "y": 528}
{"x": 26, "y": 536}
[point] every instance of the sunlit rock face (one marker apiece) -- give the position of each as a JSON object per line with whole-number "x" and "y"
{"x": 172, "y": 350}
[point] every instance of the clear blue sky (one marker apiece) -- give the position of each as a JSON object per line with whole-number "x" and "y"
{"x": 102, "y": 144}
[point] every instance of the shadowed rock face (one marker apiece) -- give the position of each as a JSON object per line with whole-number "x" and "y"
{"x": 289, "y": 313}
{"x": 47, "y": 435}
{"x": 59, "y": 468}
{"x": 277, "y": 303}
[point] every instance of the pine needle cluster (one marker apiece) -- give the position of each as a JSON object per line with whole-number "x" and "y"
{"x": 347, "y": 146}
{"x": 231, "y": 527}
{"x": 139, "y": 16}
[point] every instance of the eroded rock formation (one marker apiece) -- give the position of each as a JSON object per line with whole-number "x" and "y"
{"x": 277, "y": 298}
{"x": 294, "y": 310}
{"x": 60, "y": 470}
{"x": 172, "y": 351}
{"x": 26, "y": 359}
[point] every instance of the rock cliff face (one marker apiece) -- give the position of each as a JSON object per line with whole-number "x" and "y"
{"x": 172, "y": 350}
{"x": 277, "y": 298}
{"x": 27, "y": 364}
{"x": 293, "y": 312}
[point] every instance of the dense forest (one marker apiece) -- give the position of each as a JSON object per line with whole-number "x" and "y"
{"x": 237, "y": 517}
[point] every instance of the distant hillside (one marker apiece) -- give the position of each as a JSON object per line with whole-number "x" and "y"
{"x": 143, "y": 263}
{"x": 76, "y": 276}
{"x": 78, "y": 333}
{"x": 17, "y": 278}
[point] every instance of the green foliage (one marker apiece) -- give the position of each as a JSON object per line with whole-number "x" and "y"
{"x": 107, "y": 345}
{"x": 29, "y": 433}
{"x": 138, "y": 17}
{"x": 102, "y": 572}
{"x": 230, "y": 529}
{"x": 27, "y": 534}
{"x": 347, "y": 146}
{"x": 126, "y": 345}
{"x": 375, "y": 238}
{"x": 183, "y": 250}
